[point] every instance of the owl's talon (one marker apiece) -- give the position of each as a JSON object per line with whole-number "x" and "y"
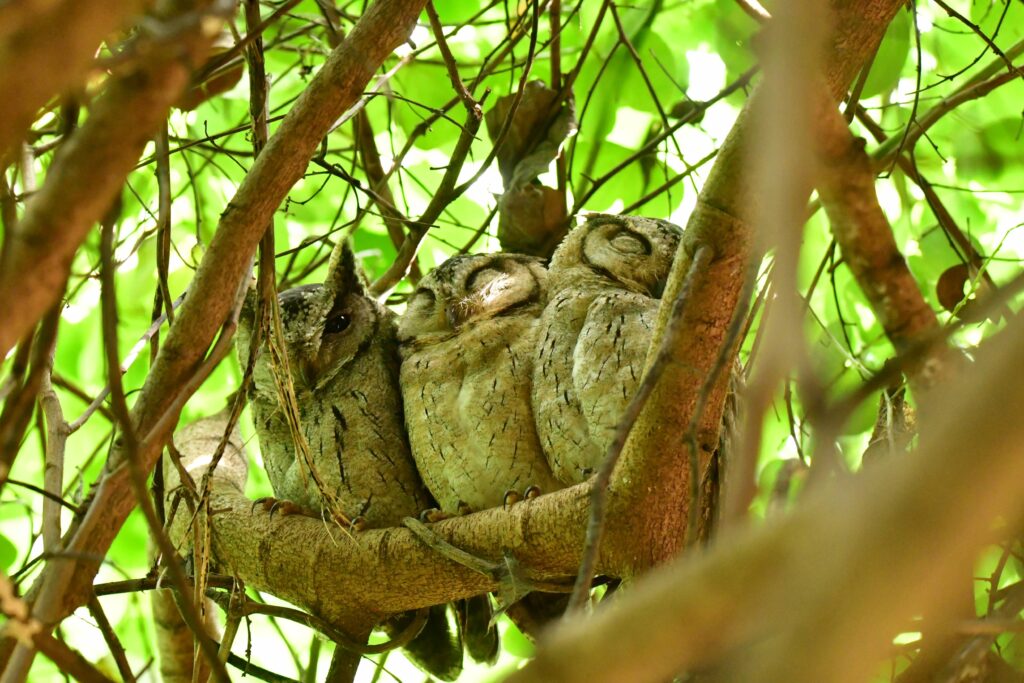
{"x": 532, "y": 492}
{"x": 358, "y": 523}
{"x": 284, "y": 507}
{"x": 431, "y": 515}
{"x": 510, "y": 499}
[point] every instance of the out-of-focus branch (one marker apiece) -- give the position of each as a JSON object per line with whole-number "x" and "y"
{"x": 655, "y": 456}
{"x": 846, "y": 186}
{"x": 34, "y": 67}
{"x": 86, "y": 176}
{"x": 65, "y": 583}
{"x": 808, "y": 598}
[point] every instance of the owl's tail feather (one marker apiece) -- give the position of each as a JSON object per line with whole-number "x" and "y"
{"x": 535, "y": 611}
{"x": 479, "y": 635}
{"x": 437, "y": 650}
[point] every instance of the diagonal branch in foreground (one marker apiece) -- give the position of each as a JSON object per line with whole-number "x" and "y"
{"x": 86, "y": 176}
{"x": 861, "y": 556}
{"x": 64, "y": 583}
{"x": 36, "y": 67}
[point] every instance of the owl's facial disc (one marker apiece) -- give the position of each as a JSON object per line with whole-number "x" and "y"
{"x": 345, "y": 328}
{"x": 494, "y": 289}
{"x": 485, "y": 291}
{"x": 423, "y": 316}
{"x": 633, "y": 251}
{"x": 629, "y": 243}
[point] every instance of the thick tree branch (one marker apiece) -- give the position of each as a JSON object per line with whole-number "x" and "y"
{"x": 339, "y": 574}
{"x": 773, "y": 591}
{"x": 65, "y": 583}
{"x": 35, "y": 67}
{"x": 655, "y": 456}
{"x": 846, "y": 186}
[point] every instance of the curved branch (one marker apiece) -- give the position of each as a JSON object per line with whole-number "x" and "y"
{"x": 760, "y": 598}
{"x": 35, "y": 67}
{"x": 340, "y": 575}
{"x": 65, "y": 584}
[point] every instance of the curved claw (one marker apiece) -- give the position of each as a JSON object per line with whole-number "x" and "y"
{"x": 285, "y": 507}
{"x": 510, "y": 499}
{"x": 431, "y": 515}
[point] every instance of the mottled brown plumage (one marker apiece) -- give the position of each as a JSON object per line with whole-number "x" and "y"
{"x": 467, "y": 342}
{"x": 341, "y": 356}
{"x": 604, "y": 285}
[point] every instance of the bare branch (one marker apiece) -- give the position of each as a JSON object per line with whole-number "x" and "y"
{"x": 65, "y": 584}
{"x": 36, "y": 67}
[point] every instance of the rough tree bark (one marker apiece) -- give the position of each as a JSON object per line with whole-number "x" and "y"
{"x": 65, "y": 582}
{"x": 393, "y": 571}
{"x": 546, "y": 533}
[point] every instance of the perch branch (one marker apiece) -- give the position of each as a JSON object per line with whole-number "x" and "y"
{"x": 65, "y": 583}
{"x": 775, "y": 586}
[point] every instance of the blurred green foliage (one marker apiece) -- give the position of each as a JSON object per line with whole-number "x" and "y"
{"x": 688, "y": 51}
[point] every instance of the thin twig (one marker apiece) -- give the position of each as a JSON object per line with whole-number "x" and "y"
{"x": 250, "y": 607}
{"x": 53, "y": 472}
{"x": 129, "y": 360}
{"x": 754, "y": 10}
{"x": 111, "y": 639}
{"x": 130, "y": 443}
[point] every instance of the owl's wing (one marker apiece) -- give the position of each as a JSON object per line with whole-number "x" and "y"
{"x": 609, "y": 358}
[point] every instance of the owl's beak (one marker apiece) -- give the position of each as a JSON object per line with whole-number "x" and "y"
{"x": 455, "y": 314}
{"x": 308, "y": 373}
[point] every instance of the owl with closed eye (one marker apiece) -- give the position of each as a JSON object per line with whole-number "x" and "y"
{"x": 604, "y": 285}
{"x": 467, "y": 341}
{"x": 338, "y": 447}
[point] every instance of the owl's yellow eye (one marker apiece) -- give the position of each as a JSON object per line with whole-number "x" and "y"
{"x": 337, "y": 323}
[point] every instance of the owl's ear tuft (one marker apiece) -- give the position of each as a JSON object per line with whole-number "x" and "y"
{"x": 344, "y": 276}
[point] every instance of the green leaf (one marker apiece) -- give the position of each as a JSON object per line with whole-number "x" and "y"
{"x": 891, "y": 57}
{"x": 8, "y": 553}
{"x": 515, "y": 643}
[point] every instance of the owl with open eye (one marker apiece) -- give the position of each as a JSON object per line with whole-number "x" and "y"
{"x": 604, "y": 285}
{"x": 467, "y": 341}
{"x": 341, "y": 356}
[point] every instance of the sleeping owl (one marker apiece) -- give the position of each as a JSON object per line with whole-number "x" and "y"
{"x": 341, "y": 356}
{"x": 604, "y": 285}
{"x": 467, "y": 341}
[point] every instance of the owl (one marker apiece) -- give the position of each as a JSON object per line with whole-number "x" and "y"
{"x": 467, "y": 340}
{"x": 341, "y": 355}
{"x": 604, "y": 285}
